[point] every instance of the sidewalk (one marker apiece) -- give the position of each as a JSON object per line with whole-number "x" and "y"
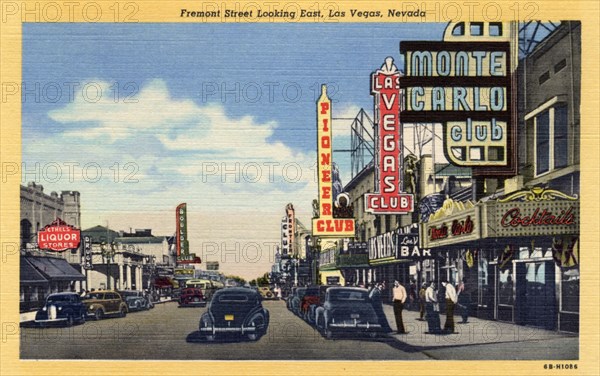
{"x": 522, "y": 340}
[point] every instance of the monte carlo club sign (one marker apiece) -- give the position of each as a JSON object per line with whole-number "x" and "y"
{"x": 326, "y": 224}
{"x": 58, "y": 236}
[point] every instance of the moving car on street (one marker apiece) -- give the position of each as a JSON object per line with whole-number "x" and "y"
{"x": 105, "y": 302}
{"x": 347, "y": 309}
{"x": 266, "y": 292}
{"x": 235, "y": 312}
{"x": 191, "y": 297}
{"x": 65, "y": 307}
{"x": 206, "y": 286}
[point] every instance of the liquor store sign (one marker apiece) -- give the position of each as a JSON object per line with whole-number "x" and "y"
{"x": 58, "y": 236}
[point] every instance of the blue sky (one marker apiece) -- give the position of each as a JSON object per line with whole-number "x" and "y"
{"x": 177, "y": 125}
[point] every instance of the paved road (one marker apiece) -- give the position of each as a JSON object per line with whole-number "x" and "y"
{"x": 169, "y": 332}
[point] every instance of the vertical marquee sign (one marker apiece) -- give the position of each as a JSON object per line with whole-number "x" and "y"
{"x": 388, "y": 197}
{"x": 183, "y": 248}
{"x": 325, "y": 224}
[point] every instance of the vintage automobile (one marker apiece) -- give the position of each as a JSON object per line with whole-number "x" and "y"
{"x": 235, "y": 312}
{"x": 207, "y": 286}
{"x": 295, "y": 300}
{"x": 102, "y": 303}
{"x": 266, "y": 292}
{"x": 65, "y": 307}
{"x": 315, "y": 302}
{"x": 191, "y": 297}
{"x": 347, "y": 309}
{"x": 135, "y": 300}
{"x": 311, "y": 297}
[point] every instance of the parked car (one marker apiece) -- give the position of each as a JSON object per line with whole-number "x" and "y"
{"x": 102, "y": 303}
{"x": 235, "y": 311}
{"x": 347, "y": 309}
{"x": 65, "y": 307}
{"x": 311, "y": 297}
{"x": 315, "y": 302}
{"x": 135, "y": 300}
{"x": 266, "y": 292}
{"x": 191, "y": 297}
{"x": 295, "y": 300}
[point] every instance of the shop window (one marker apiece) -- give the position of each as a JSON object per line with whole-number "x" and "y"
{"x": 505, "y": 288}
{"x": 495, "y": 29}
{"x": 544, "y": 77}
{"x": 551, "y": 139}
{"x": 569, "y": 296}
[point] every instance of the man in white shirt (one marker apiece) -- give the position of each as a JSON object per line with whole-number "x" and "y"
{"x": 432, "y": 316}
{"x": 399, "y": 293}
{"x": 451, "y": 299}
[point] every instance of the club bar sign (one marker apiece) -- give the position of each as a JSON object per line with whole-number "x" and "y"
{"x": 58, "y": 236}
{"x": 182, "y": 244}
{"x": 467, "y": 87}
{"x": 326, "y": 225}
{"x": 388, "y": 198}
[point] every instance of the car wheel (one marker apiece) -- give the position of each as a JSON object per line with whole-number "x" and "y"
{"x": 82, "y": 317}
{"x": 99, "y": 314}
{"x": 210, "y": 337}
{"x": 70, "y": 320}
{"x": 373, "y": 334}
{"x": 123, "y": 312}
{"x": 328, "y": 333}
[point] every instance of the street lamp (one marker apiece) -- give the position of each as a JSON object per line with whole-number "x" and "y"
{"x": 108, "y": 253}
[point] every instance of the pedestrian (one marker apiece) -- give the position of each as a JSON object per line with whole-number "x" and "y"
{"x": 451, "y": 300}
{"x": 376, "y": 302}
{"x": 422, "y": 301}
{"x": 412, "y": 295}
{"x": 432, "y": 309}
{"x": 399, "y": 297}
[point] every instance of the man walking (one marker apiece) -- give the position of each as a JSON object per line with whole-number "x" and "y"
{"x": 376, "y": 302}
{"x": 432, "y": 315}
{"x": 399, "y": 293}
{"x": 451, "y": 300}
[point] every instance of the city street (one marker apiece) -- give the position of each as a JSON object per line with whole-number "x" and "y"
{"x": 170, "y": 332}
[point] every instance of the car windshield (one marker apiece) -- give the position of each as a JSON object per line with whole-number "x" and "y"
{"x": 129, "y": 293}
{"x": 311, "y": 292}
{"x": 348, "y": 296}
{"x": 95, "y": 295}
{"x": 59, "y": 298}
{"x": 233, "y": 298}
{"x": 300, "y": 292}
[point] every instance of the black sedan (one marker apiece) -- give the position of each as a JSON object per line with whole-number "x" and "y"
{"x": 235, "y": 312}
{"x": 347, "y": 309}
{"x": 65, "y": 307}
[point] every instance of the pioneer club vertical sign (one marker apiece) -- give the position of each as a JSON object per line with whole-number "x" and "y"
{"x": 388, "y": 197}
{"x": 325, "y": 224}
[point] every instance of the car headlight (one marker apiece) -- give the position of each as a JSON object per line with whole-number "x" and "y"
{"x": 43, "y": 309}
{"x": 60, "y": 308}
{"x": 91, "y": 307}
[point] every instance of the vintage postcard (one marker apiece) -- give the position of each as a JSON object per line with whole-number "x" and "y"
{"x": 299, "y": 187}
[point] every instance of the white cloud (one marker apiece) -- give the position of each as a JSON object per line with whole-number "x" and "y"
{"x": 161, "y": 151}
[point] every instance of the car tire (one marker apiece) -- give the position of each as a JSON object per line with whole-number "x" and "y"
{"x": 99, "y": 314}
{"x": 210, "y": 337}
{"x": 373, "y": 335}
{"x": 123, "y": 312}
{"x": 70, "y": 320}
{"x": 252, "y": 336}
{"x": 328, "y": 333}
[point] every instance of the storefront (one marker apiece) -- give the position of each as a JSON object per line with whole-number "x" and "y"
{"x": 517, "y": 257}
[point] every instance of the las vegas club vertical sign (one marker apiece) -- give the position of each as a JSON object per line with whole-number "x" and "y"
{"x": 388, "y": 197}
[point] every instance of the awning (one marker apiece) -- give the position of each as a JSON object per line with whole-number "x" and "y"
{"x": 55, "y": 269}
{"x": 163, "y": 283}
{"x": 29, "y": 275}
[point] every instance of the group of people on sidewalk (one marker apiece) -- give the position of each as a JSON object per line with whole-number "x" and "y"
{"x": 429, "y": 306}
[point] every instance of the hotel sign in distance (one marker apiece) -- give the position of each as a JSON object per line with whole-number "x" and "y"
{"x": 388, "y": 197}
{"x": 466, "y": 86}
{"x": 326, "y": 225}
